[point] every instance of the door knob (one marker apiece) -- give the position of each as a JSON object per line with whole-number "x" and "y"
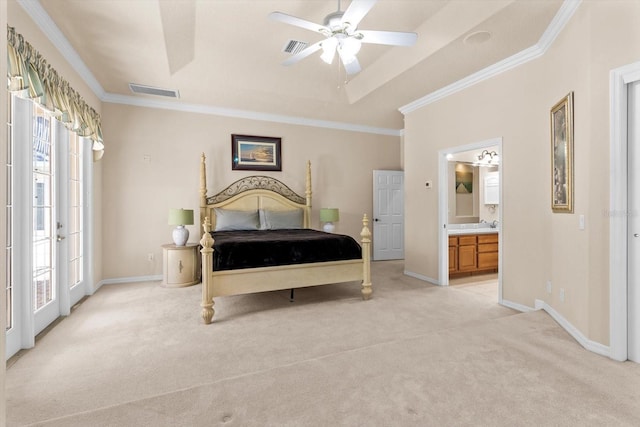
{"x": 636, "y": 235}
{"x": 376, "y": 220}
{"x": 59, "y": 238}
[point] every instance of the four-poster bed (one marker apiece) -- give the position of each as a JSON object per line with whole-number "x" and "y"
{"x": 255, "y": 208}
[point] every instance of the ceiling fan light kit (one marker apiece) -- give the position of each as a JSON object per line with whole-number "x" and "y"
{"x": 342, "y": 35}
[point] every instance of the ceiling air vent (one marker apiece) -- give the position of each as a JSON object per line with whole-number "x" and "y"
{"x": 150, "y": 90}
{"x": 294, "y": 46}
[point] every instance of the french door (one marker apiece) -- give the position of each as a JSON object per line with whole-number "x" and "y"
{"x": 45, "y": 221}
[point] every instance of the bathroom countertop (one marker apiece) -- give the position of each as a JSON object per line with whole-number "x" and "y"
{"x": 455, "y": 232}
{"x": 472, "y": 228}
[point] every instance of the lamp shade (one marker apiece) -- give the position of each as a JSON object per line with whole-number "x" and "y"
{"x": 329, "y": 215}
{"x": 180, "y": 217}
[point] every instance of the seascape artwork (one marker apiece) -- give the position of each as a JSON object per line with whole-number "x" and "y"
{"x": 251, "y": 152}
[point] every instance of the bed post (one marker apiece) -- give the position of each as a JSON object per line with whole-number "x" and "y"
{"x": 366, "y": 258}
{"x": 203, "y": 188}
{"x": 207, "y": 268}
{"x": 308, "y": 194}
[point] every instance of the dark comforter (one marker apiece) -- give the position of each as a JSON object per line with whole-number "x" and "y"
{"x": 235, "y": 250}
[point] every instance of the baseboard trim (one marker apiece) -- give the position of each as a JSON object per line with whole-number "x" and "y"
{"x": 516, "y": 306}
{"x": 421, "y": 277}
{"x": 120, "y": 280}
{"x": 592, "y": 346}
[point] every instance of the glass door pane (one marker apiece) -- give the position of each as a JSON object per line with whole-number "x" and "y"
{"x": 43, "y": 233}
{"x": 45, "y": 292}
{"x": 75, "y": 233}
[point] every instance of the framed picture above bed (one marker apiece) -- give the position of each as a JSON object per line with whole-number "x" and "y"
{"x": 256, "y": 153}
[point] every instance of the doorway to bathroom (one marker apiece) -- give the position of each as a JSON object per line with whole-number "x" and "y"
{"x": 470, "y": 213}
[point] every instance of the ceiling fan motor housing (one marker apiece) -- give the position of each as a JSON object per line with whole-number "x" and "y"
{"x": 334, "y": 22}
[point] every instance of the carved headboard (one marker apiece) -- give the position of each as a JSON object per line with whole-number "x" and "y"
{"x": 254, "y": 192}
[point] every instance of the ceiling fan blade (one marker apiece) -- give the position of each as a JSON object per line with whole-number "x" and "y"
{"x": 303, "y": 53}
{"x": 298, "y": 22}
{"x": 178, "y": 25}
{"x": 394, "y": 38}
{"x": 352, "y": 66}
{"x": 356, "y": 11}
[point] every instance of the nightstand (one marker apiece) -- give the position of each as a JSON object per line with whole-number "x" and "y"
{"x": 180, "y": 265}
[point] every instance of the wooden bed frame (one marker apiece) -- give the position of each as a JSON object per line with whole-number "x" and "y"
{"x": 262, "y": 192}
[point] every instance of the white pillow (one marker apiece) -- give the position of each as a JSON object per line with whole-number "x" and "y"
{"x": 232, "y": 220}
{"x": 281, "y": 220}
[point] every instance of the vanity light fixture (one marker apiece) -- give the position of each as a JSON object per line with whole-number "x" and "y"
{"x": 493, "y": 156}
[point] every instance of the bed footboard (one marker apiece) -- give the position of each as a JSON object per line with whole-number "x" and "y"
{"x": 289, "y": 277}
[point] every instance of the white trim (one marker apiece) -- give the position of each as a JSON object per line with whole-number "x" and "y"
{"x": 134, "y": 279}
{"x": 421, "y": 277}
{"x": 42, "y": 19}
{"x": 89, "y": 221}
{"x": 517, "y": 306}
{"x": 561, "y": 18}
{"x": 593, "y": 346}
{"x": 618, "y": 256}
{"x": 244, "y": 114}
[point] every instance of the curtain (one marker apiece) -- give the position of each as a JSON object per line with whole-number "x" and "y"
{"x": 29, "y": 75}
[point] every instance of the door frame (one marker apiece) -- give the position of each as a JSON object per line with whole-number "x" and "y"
{"x": 443, "y": 204}
{"x": 619, "y": 79}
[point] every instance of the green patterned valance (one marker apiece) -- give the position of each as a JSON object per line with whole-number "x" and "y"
{"x": 29, "y": 73}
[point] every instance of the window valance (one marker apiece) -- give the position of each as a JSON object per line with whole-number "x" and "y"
{"x": 29, "y": 73}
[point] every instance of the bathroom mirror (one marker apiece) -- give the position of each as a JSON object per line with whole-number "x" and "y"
{"x": 463, "y": 192}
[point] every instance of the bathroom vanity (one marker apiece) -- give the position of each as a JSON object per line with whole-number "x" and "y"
{"x": 473, "y": 251}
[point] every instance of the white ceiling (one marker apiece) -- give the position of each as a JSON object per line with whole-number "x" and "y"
{"x": 238, "y": 52}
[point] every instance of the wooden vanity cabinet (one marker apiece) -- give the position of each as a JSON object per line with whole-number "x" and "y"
{"x": 473, "y": 253}
{"x": 467, "y": 247}
{"x": 487, "y": 251}
{"x": 453, "y": 254}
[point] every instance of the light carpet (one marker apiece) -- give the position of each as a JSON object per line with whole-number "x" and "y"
{"x": 414, "y": 355}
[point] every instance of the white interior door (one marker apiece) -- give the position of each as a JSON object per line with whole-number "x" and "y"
{"x": 633, "y": 264}
{"x": 388, "y": 215}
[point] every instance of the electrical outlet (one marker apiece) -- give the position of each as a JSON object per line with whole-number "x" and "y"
{"x": 561, "y": 294}
{"x": 150, "y": 256}
{"x": 548, "y": 286}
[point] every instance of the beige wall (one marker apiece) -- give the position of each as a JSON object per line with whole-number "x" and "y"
{"x": 137, "y": 196}
{"x": 537, "y": 245}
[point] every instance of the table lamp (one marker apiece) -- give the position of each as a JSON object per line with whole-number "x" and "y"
{"x": 180, "y": 218}
{"x": 329, "y": 216}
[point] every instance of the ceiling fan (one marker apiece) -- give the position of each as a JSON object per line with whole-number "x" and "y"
{"x": 342, "y": 35}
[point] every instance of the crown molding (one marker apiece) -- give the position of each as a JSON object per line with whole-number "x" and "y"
{"x": 244, "y": 114}
{"x": 558, "y": 22}
{"x": 42, "y": 19}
